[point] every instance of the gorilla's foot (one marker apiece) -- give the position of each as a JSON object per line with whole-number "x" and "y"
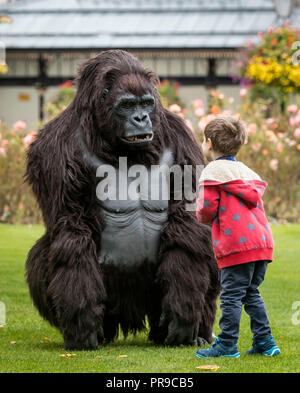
{"x": 180, "y": 332}
{"x": 201, "y": 342}
{"x": 89, "y": 344}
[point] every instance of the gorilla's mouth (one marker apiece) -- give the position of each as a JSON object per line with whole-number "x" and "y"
{"x": 138, "y": 139}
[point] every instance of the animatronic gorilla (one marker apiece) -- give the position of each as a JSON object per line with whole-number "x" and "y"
{"x": 102, "y": 264}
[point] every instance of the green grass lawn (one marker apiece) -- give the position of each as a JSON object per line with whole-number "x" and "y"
{"x": 29, "y": 344}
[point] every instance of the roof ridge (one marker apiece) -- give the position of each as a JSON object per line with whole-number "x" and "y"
{"x": 36, "y": 6}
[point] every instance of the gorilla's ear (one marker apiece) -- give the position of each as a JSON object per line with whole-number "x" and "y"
{"x": 103, "y": 94}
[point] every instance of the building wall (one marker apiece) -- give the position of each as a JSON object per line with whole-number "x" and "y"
{"x": 21, "y": 103}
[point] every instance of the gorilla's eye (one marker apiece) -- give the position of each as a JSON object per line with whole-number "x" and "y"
{"x": 128, "y": 104}
{"x": 146, "y": 103}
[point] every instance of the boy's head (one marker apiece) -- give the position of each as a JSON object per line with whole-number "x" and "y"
{"x": 223, "y": 136}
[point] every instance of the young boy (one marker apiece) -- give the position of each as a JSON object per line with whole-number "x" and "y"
{"x": 231, "y": 199}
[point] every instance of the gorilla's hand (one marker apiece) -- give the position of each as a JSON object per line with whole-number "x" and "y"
{"x": 180, "y": 332}
{"x": 90, "y": 343}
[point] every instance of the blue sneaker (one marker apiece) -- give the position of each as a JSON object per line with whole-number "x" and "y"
{"x": 218, "y": 349}
{"x": 266, "y": 348}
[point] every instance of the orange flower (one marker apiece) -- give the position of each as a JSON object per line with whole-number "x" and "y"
{"x": 215, "y": 109}
{"x": 298, "y": 147}
{"x": 175, "y": 108}
{"x": 269, "y": 133}
{"x": 256, "y": 146}
{"x": 265, "y": 152}
{"x": 67, "y": 83}
{"x": 274, "y": 41}
{"x": 252, "y": 129}
{"x": 291, "y": 39}
{"x": 279, "y": 148}
{"x": 198, "y": 103}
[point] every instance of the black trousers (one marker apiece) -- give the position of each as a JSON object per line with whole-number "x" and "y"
{"x": 240, "y": 287}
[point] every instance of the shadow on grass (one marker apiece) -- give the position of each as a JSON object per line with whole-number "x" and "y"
{"x": 121, "y": 343}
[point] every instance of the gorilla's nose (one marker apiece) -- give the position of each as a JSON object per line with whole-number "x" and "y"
{"x": 140, "y": 120}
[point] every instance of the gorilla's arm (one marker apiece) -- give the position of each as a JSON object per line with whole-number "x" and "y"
{"x": 62, "y": 185}
{"x": 185, "y": 245}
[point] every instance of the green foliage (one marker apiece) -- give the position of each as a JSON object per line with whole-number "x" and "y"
{"x": 60, "y": 101}
{"x": 169, "y": 93}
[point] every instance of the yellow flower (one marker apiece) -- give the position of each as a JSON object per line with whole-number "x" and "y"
{"x": 5, "y": 19}
{"x": 269, "y": 71}
{"x": 3, "y": 68}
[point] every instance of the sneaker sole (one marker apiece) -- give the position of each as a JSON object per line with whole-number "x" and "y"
{"x": 274, "y": 352}
{"x": 235, "y": 355}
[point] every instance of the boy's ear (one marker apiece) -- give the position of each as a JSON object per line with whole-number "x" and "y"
{"x": 210, "y": 146}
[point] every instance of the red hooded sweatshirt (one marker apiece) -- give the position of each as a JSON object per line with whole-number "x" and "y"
{"x": 230, "y": 198}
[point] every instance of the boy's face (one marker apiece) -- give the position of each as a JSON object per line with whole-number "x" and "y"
{"x": 207, "y": 148}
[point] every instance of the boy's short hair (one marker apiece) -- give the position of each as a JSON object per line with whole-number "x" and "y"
{"x": 227, "y": 134}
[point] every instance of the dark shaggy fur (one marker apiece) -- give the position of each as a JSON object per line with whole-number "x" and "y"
{"x": 67, "y": 284}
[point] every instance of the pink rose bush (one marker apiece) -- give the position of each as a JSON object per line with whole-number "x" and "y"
{"x": 272, "y": 147}
{"x": 19, "y": 125}
{"x": 17, "y": 203}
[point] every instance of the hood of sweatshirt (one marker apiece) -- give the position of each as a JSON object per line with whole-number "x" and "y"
{"x": 234, "y": 178}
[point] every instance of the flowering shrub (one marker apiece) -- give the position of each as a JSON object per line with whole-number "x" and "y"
{"x": 269, "y": 66}
{"x": 169, "y": 93}
{"x": 272, "y": 149}
{"x": 3, "y": 68}
{"x": 60, "y": 101}
{"x": 17, "y": 203}
{"x": 270, "y": 62}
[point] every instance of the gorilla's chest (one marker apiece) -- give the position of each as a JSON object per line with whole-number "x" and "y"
{"x": 134, "y": 204}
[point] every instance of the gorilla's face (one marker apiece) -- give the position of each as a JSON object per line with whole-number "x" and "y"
{"x": 133, "y": 113}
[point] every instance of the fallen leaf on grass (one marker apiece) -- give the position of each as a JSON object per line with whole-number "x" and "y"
{"x": 211, "y": 367}
{"x": 98, "y": 357}
{"x": 13, "y": 342}
{"x": 122, "y": 356}
{"x": 47, "y": 339}
{"x": 67, "y": 355}
{"x": 1, "y": 326}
